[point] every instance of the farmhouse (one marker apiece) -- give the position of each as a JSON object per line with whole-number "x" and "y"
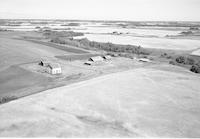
{"x": 54, "y": 68}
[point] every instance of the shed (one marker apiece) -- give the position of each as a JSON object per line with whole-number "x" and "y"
{"x": 44, "y": 62}
{"x": 96, "y": 59}
{"x": 144, "y": 60}
{"x": 54, "y": 68}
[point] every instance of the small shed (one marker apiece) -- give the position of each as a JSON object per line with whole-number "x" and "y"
{"x": 54, "y": 68}
{"x": 107, "y": 57}
{"x": 96, "y": 59}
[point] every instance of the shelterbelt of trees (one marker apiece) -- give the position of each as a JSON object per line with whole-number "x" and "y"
{"x": 66, "y": 37}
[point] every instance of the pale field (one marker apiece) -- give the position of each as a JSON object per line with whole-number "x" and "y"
{"x": 146, "y": 42}
{"x": 152, "y": 101}
{"x": 197, "y": 52}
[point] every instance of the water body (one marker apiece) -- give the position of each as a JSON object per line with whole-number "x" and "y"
{"x": 131, "y": 31}
{"x": 145, "y": 37}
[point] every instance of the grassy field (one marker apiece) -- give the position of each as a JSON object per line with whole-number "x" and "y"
{"x": 20, "y": 74}
{"x": 121, "y": 97}
{"x": 125, "y": 104}
{"x": 64, "y": 48}
{"x": 15, "y": 79}
{"x": 14, "y": 52}
{"x": 17, "y": 50}
{"x": 72, "y": 57}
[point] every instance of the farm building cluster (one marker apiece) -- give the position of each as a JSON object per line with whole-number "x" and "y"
{"x": 97, "y": 59}
{"x": 51, "y": 68}
{"x": 55, "y": 68}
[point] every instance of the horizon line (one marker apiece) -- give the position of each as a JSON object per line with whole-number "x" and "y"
{"x": 99, "y": 20}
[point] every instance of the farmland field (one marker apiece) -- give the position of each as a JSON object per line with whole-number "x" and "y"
{"x": 125, "y": 104}
{"x": 120, "y": 97}
{"x": 15, "y": 79}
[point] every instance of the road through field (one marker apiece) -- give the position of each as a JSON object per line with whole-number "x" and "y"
{"x": 144, "y": 102}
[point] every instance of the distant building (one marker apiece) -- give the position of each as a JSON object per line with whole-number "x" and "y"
{"x": 144, "y": 60}
{"x": 54, "y": 68}
{"x": 44, "y": 62}
{"x": 96, "y": 59}
{"x": 107, "y": 57}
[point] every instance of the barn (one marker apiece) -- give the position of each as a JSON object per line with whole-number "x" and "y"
{"x": 54, "y": 68}
{"x": 96, "y": 59}
{"x": 44, "y": 62}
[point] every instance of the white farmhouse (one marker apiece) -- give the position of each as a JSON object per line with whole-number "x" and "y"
{"x": 54, "y": 68}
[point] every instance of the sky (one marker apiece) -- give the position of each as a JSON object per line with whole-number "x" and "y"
{"x": 131, "y": 10}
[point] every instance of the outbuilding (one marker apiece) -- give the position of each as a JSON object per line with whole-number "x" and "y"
{"x": 96, "y": 59}
{"x": 144, "y": 60}
{"x": 107, "y": 57}
{"x": 54, "y": 68}
{"x": 44, "y": 62}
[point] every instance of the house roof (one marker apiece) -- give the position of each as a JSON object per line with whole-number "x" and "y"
{"x": 54, "y": 65}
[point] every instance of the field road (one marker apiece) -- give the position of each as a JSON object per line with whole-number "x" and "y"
{"x": 144, "y": 102}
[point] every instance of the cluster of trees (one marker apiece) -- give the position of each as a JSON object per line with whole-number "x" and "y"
{"x": 115, "y": 47}
{"x": 109, "y": 47}
{"x": 73, "y": 24}
{"x": 68, "y": 41}
{"x": 194, "y": 28}
{"x": 183, "y": 60}
{"x": 7, "y": 99}
{"x": 41, "y": 22}
{"x": 195, "y": 68}
{"x": 186, "y": 32}
{"x": 165, "y": 55}
{"x": 1, "y": 29}
{"x": 55, "y": 34}
{"x": 66, "y": 37}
